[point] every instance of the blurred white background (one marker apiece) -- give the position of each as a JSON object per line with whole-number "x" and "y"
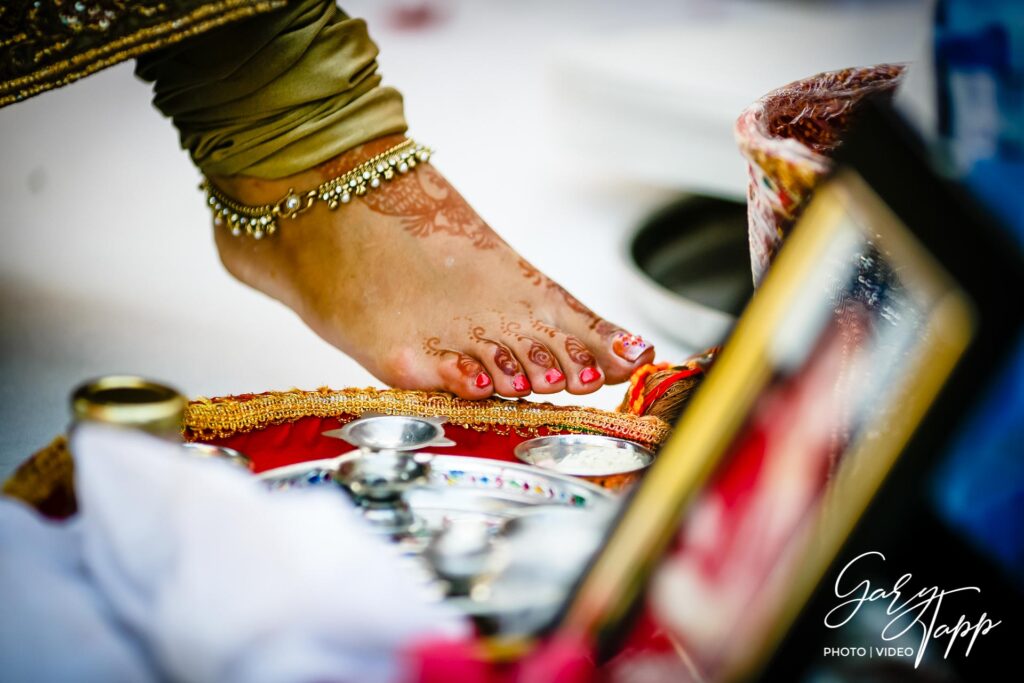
{"x": 561, "y": 122}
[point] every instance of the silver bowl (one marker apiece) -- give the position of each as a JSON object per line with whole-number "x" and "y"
{"x": 567, "y": 454}
{"x": 689, "y": 265}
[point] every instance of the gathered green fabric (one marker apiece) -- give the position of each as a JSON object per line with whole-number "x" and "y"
{"x": 276, "y": 94}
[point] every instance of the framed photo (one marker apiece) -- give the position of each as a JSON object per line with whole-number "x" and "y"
{"x": 877, "y": 326}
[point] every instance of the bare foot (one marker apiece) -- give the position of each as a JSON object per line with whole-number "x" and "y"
{"x": 410, "y": 282}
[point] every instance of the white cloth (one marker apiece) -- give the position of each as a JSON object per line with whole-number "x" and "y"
{"x": 185, "y": 568}
{"x": 54, "y": 626}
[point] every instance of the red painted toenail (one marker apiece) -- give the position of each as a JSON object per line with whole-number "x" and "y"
{"x": 520, "y": 383}
{"x": 588, "y": 375}
{"x": 482, "y": 380}
{"x": 554, "y": 376}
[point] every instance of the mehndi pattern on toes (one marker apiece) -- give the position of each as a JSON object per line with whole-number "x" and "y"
{"x": 541, "y": 365}
{"x": 505, "y": 361}
{"x": 469, "y": 367}
{"x": 628, "y": 347}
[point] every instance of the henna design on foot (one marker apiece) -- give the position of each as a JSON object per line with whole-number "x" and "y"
{"x": 424, "y": 213}
{"x": 578, "y": 352}
{"x": 530, "y": 273}
{"x": 544, "y": 328}
{"x": 512, "y": 329}
{"x": 535, "y": 323}
{"x": 539, "y": 355}
{"x": 539, "y": 279}
{"x": 505, "y": 361}
{"x": 467, "y": 365}
{"x": 607, "y": 329}
{"x": 540, "y": 325}
{"x": 431, "y": 346}
{"x": 503, "y": 357}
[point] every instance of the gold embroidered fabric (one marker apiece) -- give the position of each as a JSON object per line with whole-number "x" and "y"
{"x": 46, "y": 480}
{"x": 222, "y": 417}
{"x": 45, "y": 44}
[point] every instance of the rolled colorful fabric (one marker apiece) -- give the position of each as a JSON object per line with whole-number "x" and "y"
{"x": 789, "y": 137}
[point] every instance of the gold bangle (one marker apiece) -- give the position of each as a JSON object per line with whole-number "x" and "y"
{"x": 257, "y": 221}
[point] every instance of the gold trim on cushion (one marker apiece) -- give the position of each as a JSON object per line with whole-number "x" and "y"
{"x": 222, "y": 417}
{"x": 46, "y": 480}
{"x": 82, "y": 61}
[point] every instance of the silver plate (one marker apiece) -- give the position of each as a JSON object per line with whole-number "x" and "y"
{"x": 222, "y": 452}
{"x": 495, "y": 493}
{"x": 462, "y": 485}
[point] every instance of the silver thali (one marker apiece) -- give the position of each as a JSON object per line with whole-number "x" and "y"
{"x": 503, "y": 541}
{"x": 459, "y": 485}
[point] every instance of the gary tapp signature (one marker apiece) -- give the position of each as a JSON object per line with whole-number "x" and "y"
{"x": 920, "y": 610}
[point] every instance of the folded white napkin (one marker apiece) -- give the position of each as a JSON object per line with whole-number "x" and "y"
{"x": 188, "y": 569}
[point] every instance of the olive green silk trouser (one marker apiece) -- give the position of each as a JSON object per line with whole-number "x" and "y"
{"x": 276, "y": 94}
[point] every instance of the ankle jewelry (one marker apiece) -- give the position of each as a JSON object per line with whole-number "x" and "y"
{"x": 257, "y": 221}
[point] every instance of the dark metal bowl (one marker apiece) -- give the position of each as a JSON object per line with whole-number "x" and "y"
{"x": 691, "y": 265}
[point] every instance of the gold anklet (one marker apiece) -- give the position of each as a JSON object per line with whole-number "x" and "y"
{"x": 257, "y": 221}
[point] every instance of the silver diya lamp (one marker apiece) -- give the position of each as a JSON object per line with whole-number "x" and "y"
{"x": 378, "y": 482}
{"x": 387, "y": 466}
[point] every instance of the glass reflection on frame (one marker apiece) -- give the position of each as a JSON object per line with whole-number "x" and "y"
{"x": 826, "y": 376}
